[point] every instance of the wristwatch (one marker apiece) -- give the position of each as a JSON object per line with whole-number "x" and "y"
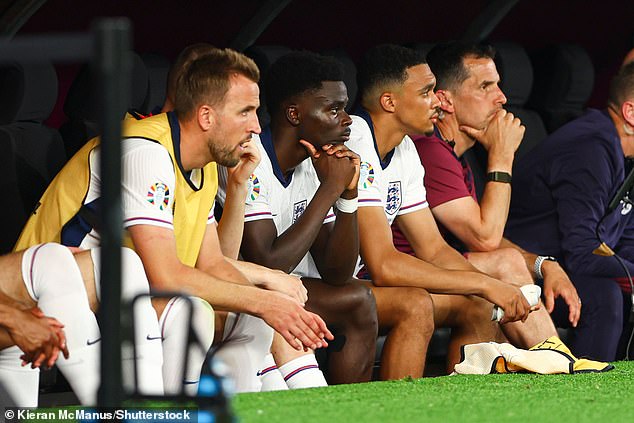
{"x": 537, "y": 267}
{"x": 499, "y": 177}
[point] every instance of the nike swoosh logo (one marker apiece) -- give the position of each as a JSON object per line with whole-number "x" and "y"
{"x": 152, "y": 338}
{"x": 89, "y": 342}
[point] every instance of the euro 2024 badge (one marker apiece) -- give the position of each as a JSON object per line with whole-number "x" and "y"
{"x": 253, "y": 187}
{"x": 159, "y": 195}
{"x": 366, "y": 174}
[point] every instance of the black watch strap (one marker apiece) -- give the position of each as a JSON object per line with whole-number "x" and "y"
{"x": 499, "y": 177}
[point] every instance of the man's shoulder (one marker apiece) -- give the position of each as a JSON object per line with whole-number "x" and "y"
{"x": 144, "y": 145}
{"x": 151, "y": 127}
{"x": 405, "y": 155}
{"x": 360, "y": 135}
{"x": 265, "y": 167}
{"x": 431, "y": 144}
{"x": 593, "y": 127}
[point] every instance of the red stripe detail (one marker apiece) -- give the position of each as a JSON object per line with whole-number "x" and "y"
{"x": 301, "y": 369}
{"x": 369, "y": 200}
{"x": 414, "y": 205}
{"x": 258, "y": 214}
{"x": 148, "y": 218}
{"x": 265, "y": 371}
{"x": 31, "y": 268}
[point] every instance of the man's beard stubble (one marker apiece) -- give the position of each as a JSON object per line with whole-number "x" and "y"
{"x": 223, "y": 156}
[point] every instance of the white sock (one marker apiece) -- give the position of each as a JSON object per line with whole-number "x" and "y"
{"x": 53, "y": 279}
{"x": 303, "y": 372}
{"x": 147, "y": 334}
{"x": 20, "y": 382}
{"x": 270, "y": 376}
{"x": 245, "y": 342}
{"x": 174, "y": 329}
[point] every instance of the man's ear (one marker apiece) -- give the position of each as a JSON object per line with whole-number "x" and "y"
{"x": 446, "y": 100}
{"x": 206, "y": 117}
{"x": 292, "y": 115}
{"x": 627, "y": 112}
{"x": 387, "y": 102}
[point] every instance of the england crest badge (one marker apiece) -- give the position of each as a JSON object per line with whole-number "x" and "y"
{"x": 394, "y": 200}
{"x": 298, "y": 209}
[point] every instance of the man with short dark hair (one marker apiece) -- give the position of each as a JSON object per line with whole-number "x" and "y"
{"x": 290, "y": 223}
{"x": 561, "y": 193}
{"x": 471, "y": 110}
{"x": 397, "y": 95}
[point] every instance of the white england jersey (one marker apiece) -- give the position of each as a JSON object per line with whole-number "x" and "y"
{"x": 271, "y": 196}
{"x": 395, "y": 184}
{"x": 147, "y": 188}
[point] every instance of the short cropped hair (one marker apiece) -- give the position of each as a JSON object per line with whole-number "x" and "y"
{"x": 622, "y": 85}
{"x": 297, "y": 73}
{"x": 446, "y": 61}
{"x": 383, "y": 66}
{"x": 207, "y": 79}
{"x": 184, "y": 59}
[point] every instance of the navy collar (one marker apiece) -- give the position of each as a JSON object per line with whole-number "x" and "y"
{"x": 362, "y": 113}
{"x": 267, "y": 142}
{"x": 176, "y": 144}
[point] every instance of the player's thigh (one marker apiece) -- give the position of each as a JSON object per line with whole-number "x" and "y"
{"x": 86, "y": 267}
{"x": 394, "y": 304}
{"x": 335, "y": 303}
{"x": 11, "y": 280}
{"x": 454, "y": 310}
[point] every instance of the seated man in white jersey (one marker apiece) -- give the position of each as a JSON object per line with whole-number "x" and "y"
{"x": 396, "y": 88}
{"x": 169, "y": 184}
{"x": 237, "y": 341}
{"x": 47, "y": 278}
{"x": 290, "y": 223}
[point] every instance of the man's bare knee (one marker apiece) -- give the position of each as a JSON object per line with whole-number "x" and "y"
{"x": 513, "y": 267}
{"x": 506, "y": 264}
{"x": 360, "y": 303}
{"x": 416, "y": 307}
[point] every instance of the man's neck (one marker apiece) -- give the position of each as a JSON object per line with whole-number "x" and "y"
{"x": 450, "y": 131}
{"x": 194, "y": 152}
{"x": 387, "y": 131}
{"x": 288, "y": 150}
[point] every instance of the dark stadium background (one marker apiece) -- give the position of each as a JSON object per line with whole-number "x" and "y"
{"x": 604, "y": 28}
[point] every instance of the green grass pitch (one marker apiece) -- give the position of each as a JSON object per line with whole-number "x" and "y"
{"x": 598, "y": 397}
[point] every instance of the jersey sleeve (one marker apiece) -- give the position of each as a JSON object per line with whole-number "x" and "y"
{"x": 258, "y": 203}
{"x": 148, "y": 182}
{"x": 362, "y": 143}
{"x": 414, "y": 194}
